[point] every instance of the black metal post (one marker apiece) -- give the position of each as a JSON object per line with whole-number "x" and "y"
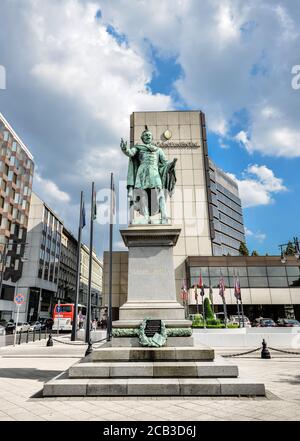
{"x": 33, "y": 337}
{"x": 88, "y": 312}
{"x": 27, "y": 336}
{"x": 3, "y": 266}
{"x": 20, "y": 337}
{"x": 265, "y": 353}
{"x": 74, "y": 324}
{"x": 109, "y": 318}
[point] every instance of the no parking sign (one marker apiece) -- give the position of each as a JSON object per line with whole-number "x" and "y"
{"x": 19, "y": 299}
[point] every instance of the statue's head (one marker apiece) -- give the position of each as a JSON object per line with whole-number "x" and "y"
{"x": 146, "y": 136}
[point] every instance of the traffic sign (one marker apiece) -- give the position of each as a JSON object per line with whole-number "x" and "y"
{"x": 58, "y": 309}
{"x": 19, "y": 299}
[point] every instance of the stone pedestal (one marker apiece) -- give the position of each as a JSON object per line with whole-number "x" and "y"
{"x": 151, "y": 279}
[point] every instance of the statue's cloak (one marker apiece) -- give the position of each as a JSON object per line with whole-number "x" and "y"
{"x": 168, "y": 180}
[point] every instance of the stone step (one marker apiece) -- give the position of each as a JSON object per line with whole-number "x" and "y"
{"x": 153, "y": 369}
{"x": 142, "y": 354}
{"x": 67, "y": 387}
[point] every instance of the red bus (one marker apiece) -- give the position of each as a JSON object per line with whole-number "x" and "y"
{"x": 63, "y": 319}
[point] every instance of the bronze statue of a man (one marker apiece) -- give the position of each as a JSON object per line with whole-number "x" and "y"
{"x": 151, "y": 177}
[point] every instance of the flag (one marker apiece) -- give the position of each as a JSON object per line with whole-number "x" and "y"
{"x": 211, "y": 295}
{"x": 221, "y": 287}
{"x": 94, "y": 210}
{"x": 83, "y": 223}
{"x": 184, "y": 293}
{"x": 201, "y": 286}
{"x": 237, "y": 289}
{"x": 196, "y": 293}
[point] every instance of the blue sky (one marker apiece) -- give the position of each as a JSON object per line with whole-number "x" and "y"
{"x": 76, "y": 70}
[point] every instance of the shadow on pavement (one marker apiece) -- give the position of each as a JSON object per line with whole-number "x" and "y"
{"x": 28, "y": 373}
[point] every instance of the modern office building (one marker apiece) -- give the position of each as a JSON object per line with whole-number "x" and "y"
{"x": 39, "y": 281}
{"x": 207, "y": 207}
{"x": 68, "y": 268}
{"x": 96, "y": 286}
{"x": 16, "y": 174}
{"x": 269, "y": 288}
{"x": 226, "y": 211}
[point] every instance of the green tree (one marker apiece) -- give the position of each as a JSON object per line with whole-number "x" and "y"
{"x": 243, "y": 250}
{"x": 290, "y": 249}
{"x": 209, "y": 315}
{"x": 254, "y": 253}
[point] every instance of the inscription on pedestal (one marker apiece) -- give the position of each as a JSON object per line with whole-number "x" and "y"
{"x": 152, "y": 327}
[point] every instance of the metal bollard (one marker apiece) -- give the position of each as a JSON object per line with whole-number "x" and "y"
{"x": 40, "y": 334}
{"x": 50, "y": 341}
{"x": 27, "y": 336}
{"x": 33, "y": 337}
{"x": 265, "y": 353}
{"x": 20, "y": 337}
{"x": 89, "y": 348}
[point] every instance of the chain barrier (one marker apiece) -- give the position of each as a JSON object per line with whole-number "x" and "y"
{"x": 77, "y": 344}
{"x": 284, "y": 352}
{"x": 241, "y": 353}
{"x": 258, "y": 349}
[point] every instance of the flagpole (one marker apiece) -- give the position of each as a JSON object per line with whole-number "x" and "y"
{"x": 225, "y": 311}
{"x": 237, "y": 301}
{"x": 203, "y": 312}
{"x": 109, "y": 318}
{"x": 196, "y": 298}
{"x": 88, "y": 314}
{"x": 74, "y": 324}
{"x": 243, "y": 319}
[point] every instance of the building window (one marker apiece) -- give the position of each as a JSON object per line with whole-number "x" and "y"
{"x": 14, "y": 146}
{"x": 5, "y": 135}
{"x": 257, "y": 271}
{"x": 1, "y": 202}
{"x": 6, "y": 169}
{"x": 17, "y": 264}
{"x": 8, "y": 259}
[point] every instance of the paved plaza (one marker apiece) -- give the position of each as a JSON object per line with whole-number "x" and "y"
{"x": 25, "y": 368}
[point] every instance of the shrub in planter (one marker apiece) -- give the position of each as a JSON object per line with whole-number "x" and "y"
{"x": 209, "y": 315}
{"x": 232, "y": 325}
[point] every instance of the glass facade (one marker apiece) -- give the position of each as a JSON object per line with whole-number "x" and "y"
{"x": 50, "y": 247}
{"x": 250, "y": 277}
{"x": 227, "y": 213}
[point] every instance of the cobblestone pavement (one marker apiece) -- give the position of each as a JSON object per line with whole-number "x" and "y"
{"x": 25, "y": 368}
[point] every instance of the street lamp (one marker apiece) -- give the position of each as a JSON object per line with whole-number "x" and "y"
{"x": 283, "y": 253}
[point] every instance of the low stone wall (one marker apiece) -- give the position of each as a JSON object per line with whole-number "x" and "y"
{"x": 248, "y": 337}
{"x": 95, "y": 335}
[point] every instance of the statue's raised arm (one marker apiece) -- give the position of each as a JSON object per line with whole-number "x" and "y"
{"x": 128, "y": 151}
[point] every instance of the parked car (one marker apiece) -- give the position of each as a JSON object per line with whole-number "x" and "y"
{"x": 287, "y": 323}
{"x": 265, "y": 323}
{"x": 235, "y": 319}
{"x": 10, "y": 327}
{"x": 23, "y": 327}
{"x": 2, "y": 330}
{"x": 35, "y": 326}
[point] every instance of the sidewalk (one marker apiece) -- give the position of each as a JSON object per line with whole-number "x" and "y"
{"x": 25, "y": 368}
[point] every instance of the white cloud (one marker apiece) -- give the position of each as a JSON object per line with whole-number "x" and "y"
{"x": 234, "y": 55}
{"x": 258, "y": 186}
{"x": 49, "y": 191}
{"x": 260, "y": 237}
